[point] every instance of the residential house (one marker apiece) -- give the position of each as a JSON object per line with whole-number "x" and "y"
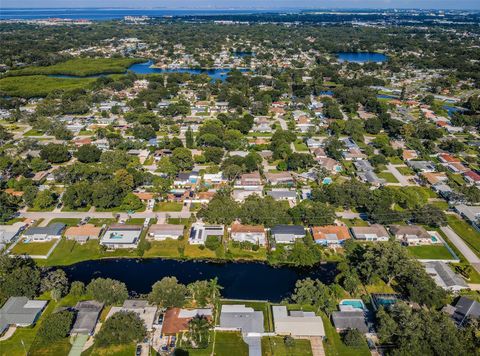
{"x": 246, "y": 320}
{"x": 464, "y": 310}
{"x": 363, "y": 166}
{"x": 319, "y": 153}
{"x": 279, "y": 178}
{"x": 9, "y": 233}
{"x": 329, "y": 164}
{"x": 241, "y": 194}
{"x": 160, "y": 232}
{"x": 83, "y": 233}
{"x": 314, "y": 143}
{"x": 375, "y": 232}
{"x": 250, "y": 181}
{"x": 422, "y": 166}
{"x": 47, "y": 233}
{"x": 330, "y": 235}
{"x": 283, "y": 194}
{"x": 176, "y": 320}
{"x": 144, "y": 311}
{"x": 435, "y": 177}
{"x": 297, "y": 323}
{"x": 472, "y": 177}
{"x": 354, "y": 154}
{"x": 409, "y": 155}
{"x": 87, "y": 315}
{"x": 411, "y": 234}
{"x": 214, "y": 178}
{"x": 121, "y": 236}
{"x": 371, "y": 177}
{"x": 248, "y": 233}
{"x": 470, "y": 213}
{"x": 199, "y": 233}
{"x": 444, "y": 277}
{"x": 20, "y": 311}
{"x": 287, "y": 234}
{"x": 343, "y": 320}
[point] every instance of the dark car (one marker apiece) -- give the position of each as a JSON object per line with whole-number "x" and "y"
{"x": 138, "y": 351}
{"x": 172, "y": 341}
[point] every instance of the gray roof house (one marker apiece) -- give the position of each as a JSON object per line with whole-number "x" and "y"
{"x": 248, "y": 321}
{"x": 283, "y": 194}
{"x": 371, "y": 177}
{"x": 52, "y": 231}
{"x": 465, "y": 309}
{"x": 444, "y": 276}
{"x": 161, "y": 232}
{"x": 87, "y": 317}
{"x": 287, "y": 234}
{"x": 422, "y": 166}
{"x": 8, "y": 233}
{"x": 363, "y": 166}
{"x": 349, "y": 320}
{"x": 20, "y": 311}
{"x": 297, "y": 323}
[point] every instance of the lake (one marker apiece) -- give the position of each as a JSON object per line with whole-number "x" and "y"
{"x": 249, "y": 280}
{"x": 145, "y": 68}
{"x": 361, "y": 57}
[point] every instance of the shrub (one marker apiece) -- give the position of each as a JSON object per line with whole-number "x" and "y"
{"x": 121, "y": 328}
{"x": 212, "y": 242}
{"x": 56, "y": 326}
{"x": 353, "y": 337}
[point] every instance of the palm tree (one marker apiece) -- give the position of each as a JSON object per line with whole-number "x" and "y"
{"x": 198, "y": 327}
{"x": 215, "y": 289}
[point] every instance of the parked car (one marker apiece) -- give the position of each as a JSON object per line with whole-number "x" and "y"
{"x": 138, "y": 351}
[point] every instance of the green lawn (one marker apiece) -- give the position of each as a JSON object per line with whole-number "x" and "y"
{"x": 41, "y": 85}
{"x": 406, "y": 171}
{"x": 70, "y": 210}
{"x": 66, "y": 221}
{"x": 33, "y": 248}
{"x": 101, "y": 222}
{"x": 230, "y": 344}
{"x": 114, "y": 350}
{"x": 434, "y": 252}
{"x": 168, "y": 206}
{"x": 178, "y": 221}
{"x": 466, "y": 232}
{"x": 81, "y": 67}
{"x": 238, "y": 253}
{"x": 354, "y": 222}
{"x": 275, "y": 346}
{"x": 167, "y": 248}
{"x": 334, "y": 346}
{"x": 44, "y": 348}
{"x": 300, "y": 146}
{"x": 389, "y": 177}
{"x": 33, "y": 132}
{"x": 135, "y": 221}
{"x": 395, "y": 160}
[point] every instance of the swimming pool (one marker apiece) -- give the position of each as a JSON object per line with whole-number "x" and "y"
{"x": 327, "y": 180}
{"x": 354, "y": 303}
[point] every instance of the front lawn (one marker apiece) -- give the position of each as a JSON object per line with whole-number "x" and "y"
{"x": 275, "y": 346}
{"x": 433, "y": 252}
{"x": 168, "y": 206}
{"x": 334, "y": 345}
{"x": 406, "y": 171}
{"x": 389, "y": 177}
{"x": 101, "y": 222}
{"x": 66, "y": 221}
{"x": 466, "y": 232}
{"x": 33, "y": 248}
{"x": 300, "y": 146}
{"x": 113, "y": 350}
{"x": 230, "y": 344}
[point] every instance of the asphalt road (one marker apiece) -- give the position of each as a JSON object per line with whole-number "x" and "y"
{"x": 462, "y": 247}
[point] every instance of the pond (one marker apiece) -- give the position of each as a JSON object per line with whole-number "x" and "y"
{"x": 145, "y": 68}
{"x": 361, "y": 57}
{"x": 249, "y": 280}
{"x": 214, "y": 73}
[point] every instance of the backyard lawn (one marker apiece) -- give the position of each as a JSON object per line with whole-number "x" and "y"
{"x": 167, "y": 248}
{"x": 466, "y": 232}
{"x": 238, "y": 253}
{"x": 275, "y": 346}
{"x": 389, "y": 177}
{"x": 433, "y": 252}
{"x": 33, "y": 248}
{"x": 168, "y": 206}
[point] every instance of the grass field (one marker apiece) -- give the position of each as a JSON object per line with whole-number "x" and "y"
{"x": 433, "y": 252}
{"x": 81, "y": 67}
{"x": 33, "y": 132}
{"x": 406, "y": 171}
{"x": 41, "y": 85}
{"x": 167, "y": 248}
{"x": 300, "y": 146}
{"x": 100, "y": 222}
{"x": 33, "y": 248}
{"x": 275, "y": 346}
{"x": 226, "y": 344}
{"x": 66, "y": 221}
{"x": 114, "y": 350}
{"x": 168, "y": 206}
{"x": 466, "y": 232}
{"x": 389, "y": 177}
{"x": 238, "y": 253}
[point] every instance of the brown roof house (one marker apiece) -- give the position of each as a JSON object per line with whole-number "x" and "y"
{"x": 374, "y": 232}
{"x": 176, "y": 319}
{"x": 249, "y": 233}
{"x": 330, "y": 235}
{"x": 83, "y": 233}
{"x": 411, "y": 234}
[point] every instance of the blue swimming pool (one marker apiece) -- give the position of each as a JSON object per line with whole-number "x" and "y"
{"x": 355, "y": 303}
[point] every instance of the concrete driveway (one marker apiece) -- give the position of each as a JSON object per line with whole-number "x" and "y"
{"x": 462, "y": 247}
{"x": 399, "y": 176}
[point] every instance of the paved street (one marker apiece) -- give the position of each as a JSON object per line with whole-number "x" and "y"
{"x": 100, "y": 215}
{"x": 462, "y": 247}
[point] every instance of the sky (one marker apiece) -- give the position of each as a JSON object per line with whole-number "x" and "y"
{"x": 243, "y": 4}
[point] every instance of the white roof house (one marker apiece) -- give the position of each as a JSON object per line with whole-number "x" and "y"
{"x": 122, "y": 236}
{"x": 10, "y": 232}
{"x": 297, "y": 323}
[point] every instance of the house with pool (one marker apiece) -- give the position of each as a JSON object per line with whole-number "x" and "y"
{"x": 330, "y": 235}
{"x": 121, "y": 236}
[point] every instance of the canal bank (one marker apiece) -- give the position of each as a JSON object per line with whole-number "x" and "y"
{"x": 240, "y": 280}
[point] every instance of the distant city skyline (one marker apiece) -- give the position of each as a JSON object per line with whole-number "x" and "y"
{"x": 245, "y": 4}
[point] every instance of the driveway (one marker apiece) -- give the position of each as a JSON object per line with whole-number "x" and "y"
{"x": 462, "y": 247}
{"x": 399, "y": 176}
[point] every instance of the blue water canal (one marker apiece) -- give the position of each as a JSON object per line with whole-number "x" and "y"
{"x": 249, "y": 280}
